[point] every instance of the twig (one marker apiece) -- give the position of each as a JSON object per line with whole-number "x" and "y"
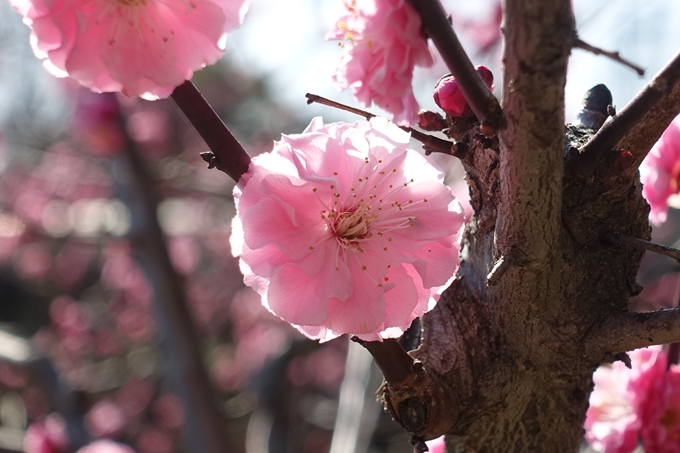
{"x": 642, "y": 121}
{"x": 391, "y": 358}
{"x": 499, "y": 269}
{"x": 627, "y": 331}
{"x": 647, "y": 245}
{"x": 484, "y": 104}
{"x": 227, "y": 154}
{"x": 430, "y": 142}
{"x": 580, "y": 44}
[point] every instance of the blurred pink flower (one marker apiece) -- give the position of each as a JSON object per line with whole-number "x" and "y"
{"x": 384, "y": 42}
{"x": 660, "y": 173}
{"x": 137, "y": 47}
{"x": 105, "y": 419}
{"x": 47, "y": 436}
{"x": 449, "y": 97}
{"x": 638, "y": 403}
{"x": 342, "y": 229}
{"x": 105, "y": 446}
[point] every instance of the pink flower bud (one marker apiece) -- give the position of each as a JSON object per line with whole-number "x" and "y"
{"x": 448, "y": 95}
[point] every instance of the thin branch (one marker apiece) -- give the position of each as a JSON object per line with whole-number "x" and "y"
{"x": 647, "y": 245}
{"x": 580, "y": 44}
{"x": 430, "y": 142}
{"x": 627, "y": 331}
{"x": 227, "y": 154}
{"x": 484, "y": 104}
{"x": 499, "y": 269}
{"x": 642, "y": 121}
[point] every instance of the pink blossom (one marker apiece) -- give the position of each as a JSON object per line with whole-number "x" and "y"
{"x": 384, "y": 42}
{"x": 449, "y": 97}
{"x": 137, "y": 47}
{"x": 660, "y": 173}
{"x": 47, "y": 436}
{"x": 342, "y": 229}
{"x": 105, "y": 446}
{"x": 641, "y": 403}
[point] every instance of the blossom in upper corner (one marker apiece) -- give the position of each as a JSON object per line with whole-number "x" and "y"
{"x": 640, "y": 403}
{"x": 137, "y": 47}
{"x": 383, "y": 42}
{"x": 449, "y": 97}
{"x": 660, "y": 173}
{"x": 343, "y": 230}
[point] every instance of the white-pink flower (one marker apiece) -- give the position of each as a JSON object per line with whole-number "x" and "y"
{"x": 137, "y": 47}
{"x": 342, "y": 229}
{"x": 383, "y": 42}
{"x": 105, "y": 446}
{"x": 660, "y": 173}
{"x": 640, "y": 404}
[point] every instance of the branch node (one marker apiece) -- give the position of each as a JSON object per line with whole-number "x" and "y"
{"x": 498, "y": 270}
{"x": 210, "y": 158}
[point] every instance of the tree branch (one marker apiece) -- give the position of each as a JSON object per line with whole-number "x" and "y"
{"x": 628, "y": 331}
{"x": 642, "y": 121}
{"x": 536, "y": 52}
{"x": 431, "y": 143}
{"x": 482, "y": 102}
{"x": 580, "y": 44}
{"x": 227, "y": 153}
{"x": 647, "y": 245}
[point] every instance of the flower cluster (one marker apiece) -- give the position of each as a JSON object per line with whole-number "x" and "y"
{"x": 137, "y": 47}
{"x": 384, "y": 42}
{"x": 660, "y": 173}
{"x": 342, "y": 229}
{"x": 449, "y": 97}
{"x": 638, "y": 403}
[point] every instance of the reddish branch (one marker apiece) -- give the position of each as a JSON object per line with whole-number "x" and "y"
{"x": 483, "y": 103}
{"x": 642, "y": 121}
{"x": 627, "y": 331}
{"x": 648, "y": 245}
{"x": 430, "y": 142}
{"x": 580, "y": 44}
{"x": 227, "y": 153}
{"x": 391, "y": 358}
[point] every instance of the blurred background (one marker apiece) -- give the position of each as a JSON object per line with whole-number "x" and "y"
{"x": 87, "y": 348}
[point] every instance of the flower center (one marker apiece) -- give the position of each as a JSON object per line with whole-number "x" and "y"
{"x": 350, "y": 227}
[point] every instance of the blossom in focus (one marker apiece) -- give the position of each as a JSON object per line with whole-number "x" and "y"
{"x": 342, "y": 229}
{"x": 449, "y": 97}
{"x": 383, "y": 43}
{"x": 137, "y": 47}
{"x": 641, "y": 403}
{"x": 660, "y": 173}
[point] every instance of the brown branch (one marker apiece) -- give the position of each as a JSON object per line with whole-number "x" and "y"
{"x": 536, "y": 53}
{"x": 642, "y": 121}
{"x": 180, "y": 343}
{"x": 482, "y": 101}
{"x": 227, "y": 154}
{"x": 647, "y": 245}
{"x": 430, "y": 142}
{"x": 580, "y": 44}
{"x": 391, "y": 358}
{"x": 627, "y": 331}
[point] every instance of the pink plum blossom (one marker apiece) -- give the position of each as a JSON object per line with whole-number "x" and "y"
{"x": 660, "y": 173}
{"x": 449, "y": 97}
{"x": 342, "y": 229}
{"x": 137, "y": 47}
{"x": 437, "y": 445}
{"x": 641, "y": 403}
{"x": 383, "y": 43}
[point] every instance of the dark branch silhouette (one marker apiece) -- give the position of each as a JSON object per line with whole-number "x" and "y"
{"x": 580, "y": 44}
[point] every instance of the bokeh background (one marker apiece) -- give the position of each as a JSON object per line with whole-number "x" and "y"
{"x": 85, "y": 352}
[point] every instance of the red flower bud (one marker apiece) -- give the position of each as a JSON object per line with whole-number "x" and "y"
{"x": 448, "y": 95}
